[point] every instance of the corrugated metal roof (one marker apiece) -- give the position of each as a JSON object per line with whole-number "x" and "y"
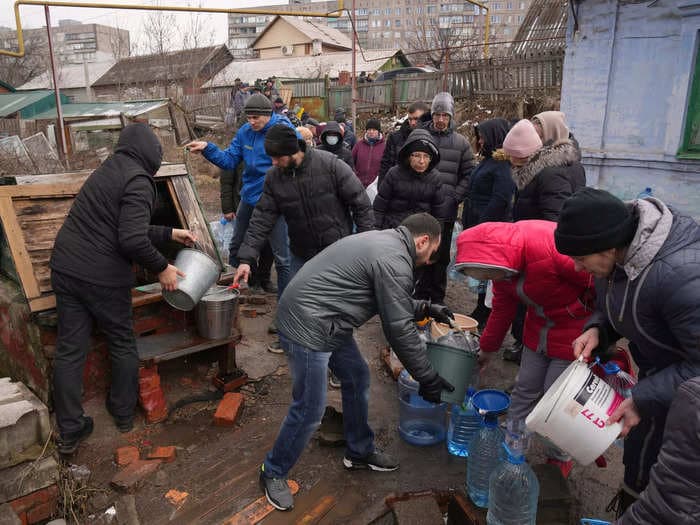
{"x": 13, "y": 102}
{"x": 299, "y": 67}
{"x": 313, "y": 30}
{"x": 543, "y": 29}
{"x": 104, "y": 109}
{"x": 70, "y": 76}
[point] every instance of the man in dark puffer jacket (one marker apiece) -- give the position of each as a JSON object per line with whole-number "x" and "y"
{"x": 455, "y": 167}
{"x": 314, "y": 191}
{"x": 337, "y": 291}
{"x": 646, "y": 261}
{"x": 106, "y": 231}
{"x": 412, "y": 186}
{"x": 332, "y": 142}
{"x": 395, "y": 141}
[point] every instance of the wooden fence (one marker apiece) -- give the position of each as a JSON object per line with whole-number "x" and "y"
{"x": 503, "y": 77}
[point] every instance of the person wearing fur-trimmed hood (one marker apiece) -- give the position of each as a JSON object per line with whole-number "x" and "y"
{"x": 544, "y": 175}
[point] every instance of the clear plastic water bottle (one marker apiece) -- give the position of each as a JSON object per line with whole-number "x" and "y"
{"x": 486, "y": 454}
{"x": 646, "y": 193}
{"x": 452, "y": 273}
{"x": 464, "y": 423}
{"x": 222, "y": 231}
{"x": 513, "y": 486}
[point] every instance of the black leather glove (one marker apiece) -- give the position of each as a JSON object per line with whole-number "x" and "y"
{"x": 431, "y": 390}
{"x": 441, "y": 313}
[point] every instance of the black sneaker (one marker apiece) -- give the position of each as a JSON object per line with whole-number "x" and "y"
{"x": 276, "y": 491}
{"x": 124, "y": 424}
{"x": 514, "y": 353}
{"x": 67, "y": 444}
{"x": 377, "y": 461}
{"x": 268, "y": 287}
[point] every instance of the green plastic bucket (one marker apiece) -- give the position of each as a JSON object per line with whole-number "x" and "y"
{"x": 456, "y": 366}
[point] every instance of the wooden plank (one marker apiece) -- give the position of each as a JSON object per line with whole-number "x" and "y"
{"x": 40, "y": 190}
{"x": 176, "y": 203}
{"x": 194, "y": 216}
{"x": 15, "y": 240}
{"x": 318, "y": 511}
{"x": 42, "y": 303}
{"x": 258, "y": 510}
{"x": 75, "y": 177}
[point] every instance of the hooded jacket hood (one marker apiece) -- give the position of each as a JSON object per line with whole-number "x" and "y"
{"x": 556, "y": 155}
{"x": 491, "y": 245}
{"x": 554, "y": 128}
{"x": 332, "y": 127}
{"x": 655, "y": 221}
{"x": 138, "y": 142}
{"x": 493, "y": 132}
{"x": 414, "y": 138}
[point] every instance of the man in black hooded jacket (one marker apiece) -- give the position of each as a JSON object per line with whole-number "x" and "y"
{"x": 106, "y": 231}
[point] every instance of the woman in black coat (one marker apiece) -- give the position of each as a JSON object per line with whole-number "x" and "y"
{"x": 413, "y": 185}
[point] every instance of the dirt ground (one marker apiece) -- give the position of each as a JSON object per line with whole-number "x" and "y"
{"x": 218, "y": 467}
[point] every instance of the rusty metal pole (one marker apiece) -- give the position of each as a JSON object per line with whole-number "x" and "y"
{"x": 56, "y": 90}
{"x": 353, "y": 80}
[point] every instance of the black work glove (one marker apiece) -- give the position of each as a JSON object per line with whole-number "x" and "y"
{"x": 441, "y": 313}
{"x": 431, "y": 390}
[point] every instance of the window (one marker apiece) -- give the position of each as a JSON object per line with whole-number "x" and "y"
{"x": 520, "y": 18}
{"x": 397, "y": 11}
{"x": 468, "y": 19}
{"x": 496, "y": 7}
{"x": 431, "y": 9}
{"x": 495, "y": 19}
{"x": 363, "y": 11}
{"x": 387, "y": 23}
{"x": 376, "y": 12}
{"x": 444, "y": 8}
{"x": 522, "y": 6}
{"x": 408, "y": 10}
{"x": 444, "y": 21}
{"x": 690, "y": 146}
{"x": 387, "y": 11}
{"x": 509, "y": 6}
{"x": 419, "y": 10}
{"x": 397, "y": 23}
{"x": 362, "y": 25}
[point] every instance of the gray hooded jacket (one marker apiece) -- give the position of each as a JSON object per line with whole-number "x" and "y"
{"x": 347, "y": 284}
{"x": 654, "y": 301}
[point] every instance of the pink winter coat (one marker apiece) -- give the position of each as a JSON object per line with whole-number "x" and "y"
{"x": 367, "y": 158}
{"x": 559, "y": 299}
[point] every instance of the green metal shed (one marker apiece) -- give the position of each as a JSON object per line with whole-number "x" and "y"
{"x": 28, "y": 103}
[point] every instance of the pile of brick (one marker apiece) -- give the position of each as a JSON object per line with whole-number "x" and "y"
{"x": 28, "y": 476}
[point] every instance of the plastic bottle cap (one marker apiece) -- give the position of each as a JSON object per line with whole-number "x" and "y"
{"x": 223, "y": 220}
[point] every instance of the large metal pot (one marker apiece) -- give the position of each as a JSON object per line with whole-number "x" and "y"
{"x": 201, "y": 272}
{"x": 215, "y": 312}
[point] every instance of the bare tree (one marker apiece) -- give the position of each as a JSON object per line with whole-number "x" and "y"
{"x": 436, "y": 43}
{"x": 196, "y": 31}
{"x": 158, "y": 31}
{"x": 19, "y": 70}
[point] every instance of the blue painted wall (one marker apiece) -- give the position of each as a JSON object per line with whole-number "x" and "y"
{"x": 627, "y": 79}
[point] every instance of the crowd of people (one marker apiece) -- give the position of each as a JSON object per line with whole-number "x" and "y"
{"x": 573, "y": 270}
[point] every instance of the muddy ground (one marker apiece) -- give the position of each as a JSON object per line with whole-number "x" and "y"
{"x": 218, "y": 467}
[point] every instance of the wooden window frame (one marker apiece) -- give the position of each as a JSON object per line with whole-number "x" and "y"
{"x": 692, "y": 118}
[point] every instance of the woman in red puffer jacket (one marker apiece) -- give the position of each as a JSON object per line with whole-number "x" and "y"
{"x": 524, "y": 265}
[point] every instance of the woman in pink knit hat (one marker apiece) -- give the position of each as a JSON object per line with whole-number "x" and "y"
{"x": 545, "y": 175}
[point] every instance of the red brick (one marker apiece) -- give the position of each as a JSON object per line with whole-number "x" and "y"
{"x": 125, "y": 455}
{"x": 167, "y": 454}
{"x": 25, "y": 503}
{"x": 41, "y": 512}
{"x": 228, "y": 409}
{"x": 129, "y": 478}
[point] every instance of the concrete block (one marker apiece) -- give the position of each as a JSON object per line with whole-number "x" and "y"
{"x": 24, "y": 423}
{"x": 228, "y": 410}
{"x": 27, "y": 477}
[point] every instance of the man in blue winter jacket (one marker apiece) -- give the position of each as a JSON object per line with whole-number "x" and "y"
{"x": 248, "y": 146}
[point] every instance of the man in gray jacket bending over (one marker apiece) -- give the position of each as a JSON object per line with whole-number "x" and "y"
{"x": 337, "y": 291}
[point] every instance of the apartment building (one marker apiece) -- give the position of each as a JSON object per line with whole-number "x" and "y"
{"x": 74, "y": 42}
{"x": 392, "y": 24}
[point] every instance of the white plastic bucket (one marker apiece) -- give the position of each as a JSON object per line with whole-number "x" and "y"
{"x": 572, "y": 413}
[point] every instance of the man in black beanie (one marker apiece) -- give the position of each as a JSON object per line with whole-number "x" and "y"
{"x": 646, "y": 260}
{"x": 315, "y": 192}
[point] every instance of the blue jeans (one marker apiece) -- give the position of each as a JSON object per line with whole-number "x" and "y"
{"x": 279, "y": 242}
{"x": 309, "y": 378}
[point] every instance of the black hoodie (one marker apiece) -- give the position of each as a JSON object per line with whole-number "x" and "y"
{"x": 340, "y": 150}
{"x": 107, "y": 228}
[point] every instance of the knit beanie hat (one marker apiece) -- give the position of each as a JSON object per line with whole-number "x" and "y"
{"x": 339, "y": 115}
{"x": 373, "y": 123}
{"x": 554, "y": 128}
{"x": 522, "y": 140}
{"x": 258, "y": 104}
{"x": 592, "y": 221}
{"x": 281, "y": 140}
{"x": 443, "y": 103}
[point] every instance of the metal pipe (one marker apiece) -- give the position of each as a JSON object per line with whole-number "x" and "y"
{"x": 140, "y": 7}
{"x": 487, "y": 25}
{"x": 56, "y": 90}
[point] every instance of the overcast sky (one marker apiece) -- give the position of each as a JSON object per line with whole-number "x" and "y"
{"x": 33, "y": 16}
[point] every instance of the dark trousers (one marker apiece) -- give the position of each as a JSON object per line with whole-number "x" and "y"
{"x": 79, "y": 305}
{"x": 261, "y": 273}
{"x": 516, "y": 328}
{"x": 642, "y": 447}
{"x": 431, "y": 280}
